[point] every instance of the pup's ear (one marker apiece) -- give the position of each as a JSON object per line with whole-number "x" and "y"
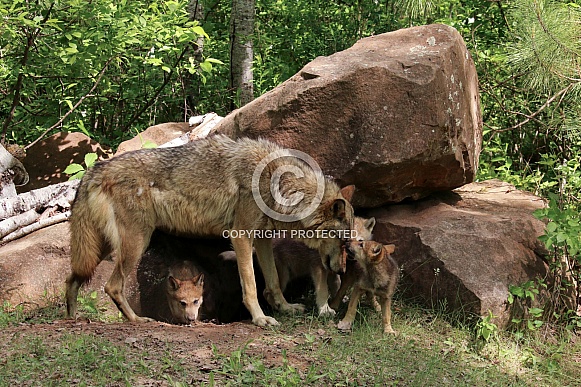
{"x": 174, "y": 283}
{"x": 198, "y": 280}
{"x": 389, "y": 248}
{"x": 347, "y": 192}
{"x": 376, "y": 253}
{"x": 369, "y": 224}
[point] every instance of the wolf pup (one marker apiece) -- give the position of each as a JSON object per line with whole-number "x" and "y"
{"x": 204, "y": 188}
{"x": 294, "y": 260}
{"x": 377, "y": 273}
{"x": 184, "y": 290}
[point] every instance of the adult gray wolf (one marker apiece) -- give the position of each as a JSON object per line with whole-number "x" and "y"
{"x": 204, "y": 188}
{"x": 376, "y": 272}
{"x": 295, "y": 260}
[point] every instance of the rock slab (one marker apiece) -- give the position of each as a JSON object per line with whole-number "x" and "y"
{"x": 463, "y": 249}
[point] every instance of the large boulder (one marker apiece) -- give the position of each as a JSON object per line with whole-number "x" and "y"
{"x": 463, "y": 249}
{"x": 397, "y": 114}
{"x": 46, "y": 160}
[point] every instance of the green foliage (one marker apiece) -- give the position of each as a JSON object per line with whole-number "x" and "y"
{"x": 77, "y": 171}
{"x": 126, "y": 68}
{"x": 525, "y": 294}
{"x": 486, "y": 329}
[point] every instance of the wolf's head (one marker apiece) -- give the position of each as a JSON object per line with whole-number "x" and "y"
{"x": 185, "y": 297}
{"x": 333, "y": 218}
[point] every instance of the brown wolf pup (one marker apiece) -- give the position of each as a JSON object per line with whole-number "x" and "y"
{"x": 184, "y": 291}
{"x": 377, "y": 272}
{"x": 295, "y": 260}
{"x": 204, "y": 188}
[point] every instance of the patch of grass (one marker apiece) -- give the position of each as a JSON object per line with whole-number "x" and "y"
{"x": 432, "y": 348}
{"x": 81, "y": 360}
{"x": 89, "y": 306}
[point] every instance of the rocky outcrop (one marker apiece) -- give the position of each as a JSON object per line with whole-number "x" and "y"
{"x": 397, "y": 114}
{"x": 46, "y": 160}
{"x": 464, "y": 248}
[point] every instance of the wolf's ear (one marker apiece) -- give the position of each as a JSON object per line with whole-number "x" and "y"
{"x": 347, "y": 192}
{"x": 369, "y": 224}
{"x": 389, "y": 248}
{"x": 198, "y": 280}
{"x": 338, "y": 209}
{"x": 376, "y": 253}
{"x": 174, "y": 283}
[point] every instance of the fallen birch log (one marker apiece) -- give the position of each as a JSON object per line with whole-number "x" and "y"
{"x": 38, "y": 198}
{"x": 11, "y": 224}
{"x": 36, "y": 226}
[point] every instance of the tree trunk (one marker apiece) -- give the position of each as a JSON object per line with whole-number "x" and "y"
{"x": 192, "y": 81}
{"x": 241, "y": 52}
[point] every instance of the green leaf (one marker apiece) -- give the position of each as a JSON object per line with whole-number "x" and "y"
{"x": 213, "y": 60}
{"x": 148, "y": 144}
{"x": 551, "y": 227}
{"x": 90, "y": 159}
{"x": 73, "y": 168}
{"x": 200, "y": 31}
{"x": 206, "y": 66}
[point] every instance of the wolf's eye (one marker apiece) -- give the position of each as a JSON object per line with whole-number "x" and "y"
{"x": 183, "y": 303}
{"x": 196, "y": 302}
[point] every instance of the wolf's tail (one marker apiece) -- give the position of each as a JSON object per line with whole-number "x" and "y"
{"x": 91, "y": 220}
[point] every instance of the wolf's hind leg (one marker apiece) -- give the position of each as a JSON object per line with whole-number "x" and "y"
{"x": 266, "y": 260}
{"x": 85, "y": 257}
{"x": 133, "y": 245}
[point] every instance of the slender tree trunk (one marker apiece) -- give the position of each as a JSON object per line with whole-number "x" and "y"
{"x": 191, "y": 82}
{"x": 241, "y": 51}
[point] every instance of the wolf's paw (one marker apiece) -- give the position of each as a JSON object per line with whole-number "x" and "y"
{"x": 389, "y": 329}
{"x": 326, "y": 310}
{"x": 292, "y": 308}
{"x": 344, "y": 326}
{"x": 264, "y": 321}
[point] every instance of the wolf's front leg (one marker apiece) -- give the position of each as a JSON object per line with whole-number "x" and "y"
{"x": 347, "y": 322}
{"x": 243, "y": 249}
{"x": 266, "y": 260}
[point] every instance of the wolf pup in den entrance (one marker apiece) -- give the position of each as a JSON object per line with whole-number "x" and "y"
{"x": 184, "y": 289}
{"x": 376, "y": 272}
{"x": 205, "y": 188}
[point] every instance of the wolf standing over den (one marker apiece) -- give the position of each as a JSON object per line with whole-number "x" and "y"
{"x": 203, "y": 188}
